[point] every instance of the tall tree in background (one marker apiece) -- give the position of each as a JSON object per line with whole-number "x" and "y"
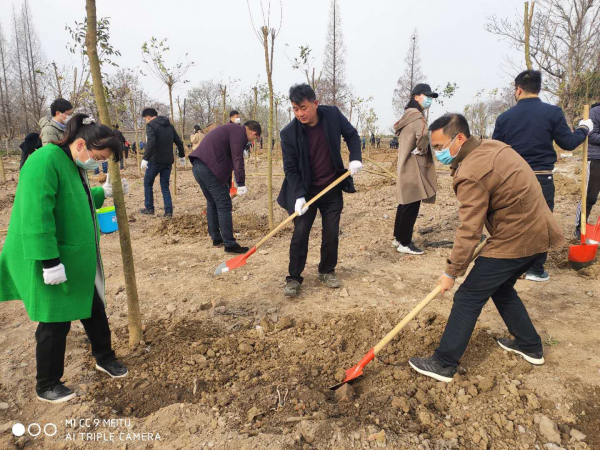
{"x": 135, "y": 322}
{"x": 6, "y": 119}
{"x": 17, "y": 52}
{"x": 335, "y": 90}
{"x": 34, "y": 61}
{"x": 266, "y": 36}
{"x": 564, "y": 45}
{"x": 412, "y": 76}
{"x": 305, "y": 63}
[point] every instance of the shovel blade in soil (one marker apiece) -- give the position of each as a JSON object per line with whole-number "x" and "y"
{"x": 357, "y": 370}
{"x": 581, "y": 256}
{"x": 593, "y": 232}
{"x": 234, "y": 263}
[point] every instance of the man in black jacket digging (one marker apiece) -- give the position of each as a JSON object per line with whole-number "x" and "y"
{"x": 311, "y": 161}
{"x": 159, "y": 158}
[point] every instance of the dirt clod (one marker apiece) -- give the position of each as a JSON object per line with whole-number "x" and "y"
{"x": 345, "y": 393}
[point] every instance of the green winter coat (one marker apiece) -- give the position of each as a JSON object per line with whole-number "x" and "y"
{"x": 52, "y": 218}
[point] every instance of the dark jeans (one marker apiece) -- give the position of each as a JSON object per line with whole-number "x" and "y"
{"x": 153, "y": 170}
{"x": 104, "y": 168}
{"x": 330, "y": 206}
{"x": 406, "y": 216}
{"x": 547, "y": 183}
{"x": 51, "y": 341}
{"x": 593, "y": 190}
{"x": 496, "y": 278}
{"x": 218, "y": 204}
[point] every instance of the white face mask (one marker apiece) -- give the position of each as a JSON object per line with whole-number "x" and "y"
{"x": 90, "y": 164}
{"x": 238, "y": 120}
{"x": 67, "y": 118}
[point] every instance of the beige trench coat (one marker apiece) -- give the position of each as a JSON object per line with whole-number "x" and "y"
{"x": 416, "y": 173}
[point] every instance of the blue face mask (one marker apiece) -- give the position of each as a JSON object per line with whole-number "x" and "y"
{"x": 427, "y": 102}
{"x": 444, "y": 155}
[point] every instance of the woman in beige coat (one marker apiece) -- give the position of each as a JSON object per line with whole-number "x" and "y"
{"x": 197, "y": 137}
{"x": 416, "y": 170}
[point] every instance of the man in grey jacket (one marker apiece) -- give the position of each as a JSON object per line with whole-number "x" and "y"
{"x": 593, "y": 182}
{"x": 53, "y": 128}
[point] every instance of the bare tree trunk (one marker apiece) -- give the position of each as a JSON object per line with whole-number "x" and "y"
{"x": 57, "y": 80}
{"x": 135, "y": 322}
{"x": 135, "y": 127}
{"x": 20, "y": 69}
{"x": 255, "y": 148}
{"x": 2, "y": 162}
{"x": 170, "y": 86}
{"x": 269, "y": 64}
{"x": 528, "y": 18}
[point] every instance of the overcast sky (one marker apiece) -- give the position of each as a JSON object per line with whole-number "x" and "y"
{"x": 219, "y": 38}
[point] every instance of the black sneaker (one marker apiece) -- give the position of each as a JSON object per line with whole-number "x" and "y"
{"x": 114, "y": 368}
{"x": 147, "y": 212}
{"x": 411, "y": 249}
{"x": 292, "y": 288}
{"x": 537, "y": 359}
{"x": 237, "y": 248}
{"x": 58, "y": 394}
{"x": 218, "y": 243}
{"x": 431, "y": 367}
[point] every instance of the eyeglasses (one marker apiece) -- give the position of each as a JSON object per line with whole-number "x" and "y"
{"x": 95, "y": 158}
{"x": 438, "y": 147}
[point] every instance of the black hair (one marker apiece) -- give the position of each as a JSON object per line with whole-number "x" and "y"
{"x": 234, "y": 113}
{"x": 116, "y": 127}
{"x": 451, "y": 124}
{"x": 253, "y": 125}
{"x": 149, "y": 112}
{"x": 412, "y": 103}
{"x": 95, "y": 135}
{"x": 299, "y": 92}
{"x": 530, "y": 81}
{"x": 197, "y": 127}
{"x": 60, "y": 105}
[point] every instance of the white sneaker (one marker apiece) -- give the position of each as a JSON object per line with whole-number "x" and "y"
{"x": 395, "y": 243}
{"x": 410, "y": 249}
{"x": 539, "y": 278}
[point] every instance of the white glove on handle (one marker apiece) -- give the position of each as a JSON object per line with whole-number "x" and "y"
{"x": 355, "y": 167}
{"x": 55, "y": 275}
{"x": 144, "y": 164}
{"x": 108, "y": 190}
{"x": 182, "y": 162}
{"x": 242, "y": 190}
{"x": 299, "y": 207}
{"x": 588, "y": 124}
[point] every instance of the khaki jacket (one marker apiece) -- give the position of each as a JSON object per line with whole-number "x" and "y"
{"x": 51, "y": 131}
{"x": 416, "y": 173}
{"x": 196, "y": 138}
{"x": 496, "y": 187}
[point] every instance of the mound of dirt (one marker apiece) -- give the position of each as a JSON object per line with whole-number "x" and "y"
{"x": 186, "y": 225}
{"x": 269, "y": 376}
{"x": 566, "y": 185}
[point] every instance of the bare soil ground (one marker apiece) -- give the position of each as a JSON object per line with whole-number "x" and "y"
{"x": 229, "y": 362}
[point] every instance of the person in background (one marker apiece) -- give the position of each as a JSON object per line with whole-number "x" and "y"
{"x": 530, "y": 127}
{"x": 159, "y": 159}
{"x": 416, "y": 181}
{"x": 52, "y": 129}
{"x": 197, "y": 137}
{"x": 51, "y": 257}
{"x": 372, "y": 140}
{"x": 495, "y": 188}
{"x": 126, "y": 149}
{"x": 312, "y": 160}
{"x": 29, "y": 145}
{"x": 220, "y": 153}
{"x": 234, "y": 117}
{"x": 364, "y": 142}
{"x": 593, "y": 182}
{"x": 378, "y": 141}
{"x": 121, "y": 138}
{"x": 134, "y": 148}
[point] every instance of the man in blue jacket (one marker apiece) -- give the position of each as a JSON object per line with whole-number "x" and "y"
{"x": 530, "y": 127}
{"x": 312, "y": 160}
{"x": 593, "y": 182}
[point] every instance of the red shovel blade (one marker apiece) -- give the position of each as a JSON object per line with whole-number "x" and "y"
{"x": 357, "y": 370}
{"x": 234, "y": 263}
{"x": 593, "y": 231}
{"x": 232, "y": 189}
{"x": 581, "y": 256}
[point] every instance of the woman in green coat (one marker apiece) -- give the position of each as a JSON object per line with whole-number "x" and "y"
{"x": 51, "y": 256}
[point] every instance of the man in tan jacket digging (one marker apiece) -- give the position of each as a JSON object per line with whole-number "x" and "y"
{"x": 495, "y": 187}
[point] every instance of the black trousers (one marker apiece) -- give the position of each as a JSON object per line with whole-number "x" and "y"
{"x": 406, "y": 216}
{"x": 51, "y": 341}
{"x": 496, "y": 278}
{"x": 547, "y": 183}
{"x": 330, "y": 206}
{"x": 593, "y": 190}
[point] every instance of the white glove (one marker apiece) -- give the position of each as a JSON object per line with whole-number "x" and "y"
{"x": 246, "y": 154}
{"x": 587, "y": 123}
{"x": 299, "y": 207}
{"x": 182, "y": 162}
{"x": 55, "y": 275}
{"x": 108, "y": 190}
{"x": 355, "y": 167}
{"x": 241, "y": 190}
{"x": 416, "y": 152}
{"x": 144, "y": 164}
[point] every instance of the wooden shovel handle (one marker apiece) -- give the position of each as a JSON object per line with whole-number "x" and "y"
{"x": 586, "y": 115}
{"x": 417, "y": 309}
{"x": 293, "y": 216}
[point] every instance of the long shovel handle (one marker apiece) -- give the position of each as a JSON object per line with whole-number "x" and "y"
{"x": 586, "y": 115}
{"x": 417, "y": 309}
{"x": 293, "y": 216}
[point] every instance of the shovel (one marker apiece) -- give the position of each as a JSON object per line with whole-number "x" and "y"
{"x": 240, "y": 261}
{"x": 357, "y": 370}
{"x": 593, "y": 232}
{"x": 583, "y": 255}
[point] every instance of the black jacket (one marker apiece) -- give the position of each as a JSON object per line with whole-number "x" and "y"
{"x": 31, "y": 143}
{"x": 529, "y": 128}
{"x": 594, "y": 137}
{"x": 296, "y": 164}
{"x": 161, "y": 136}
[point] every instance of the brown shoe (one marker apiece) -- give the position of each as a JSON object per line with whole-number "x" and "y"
{"x": 330, "y": 280}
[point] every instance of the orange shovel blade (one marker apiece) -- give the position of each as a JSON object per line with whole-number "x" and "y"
{"x": 234, "y": 263}
{"x": 357, "y": 370}
{"x": 583, "y": 253}
{"x": 232, "y": 189}
{"x": 593, "y": 231}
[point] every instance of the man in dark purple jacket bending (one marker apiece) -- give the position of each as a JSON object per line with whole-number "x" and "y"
{"x": 220, "y": 153}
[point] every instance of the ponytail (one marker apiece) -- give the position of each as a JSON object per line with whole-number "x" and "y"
{"x": 95, "y": 135}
